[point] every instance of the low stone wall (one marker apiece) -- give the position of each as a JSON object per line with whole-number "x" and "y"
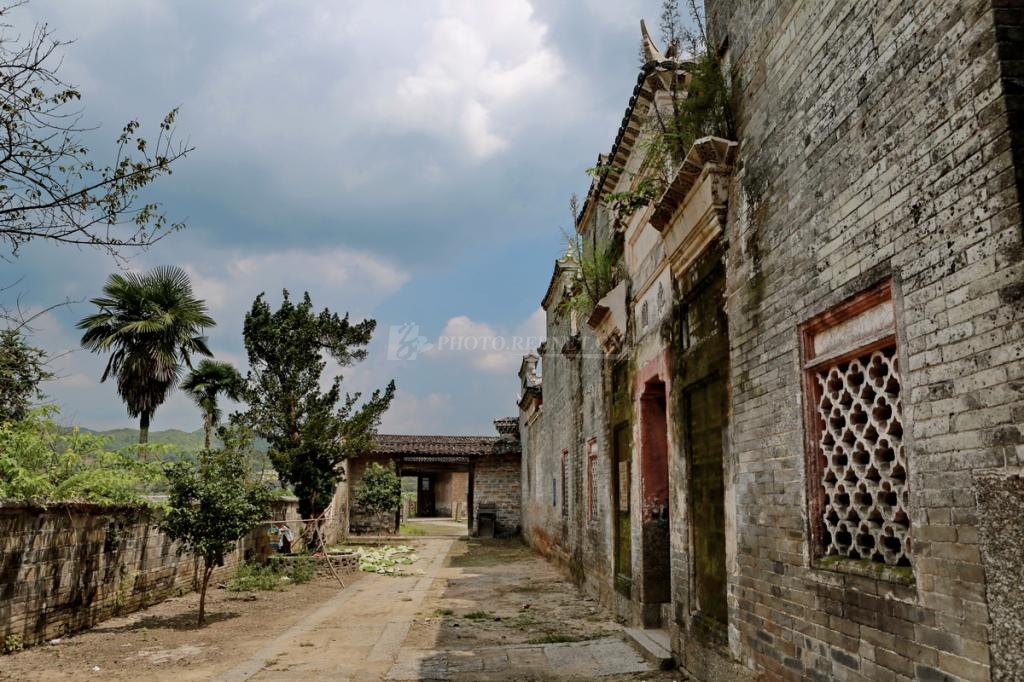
{"x": 66, "y": 567}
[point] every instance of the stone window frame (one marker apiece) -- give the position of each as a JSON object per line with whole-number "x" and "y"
{"x": 592, "y": 454}
{"x": 565, "y": 483}
{"x": 876, "y": 296}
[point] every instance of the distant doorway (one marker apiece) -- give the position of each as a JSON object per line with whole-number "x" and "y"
{"x": 425, "y": 496}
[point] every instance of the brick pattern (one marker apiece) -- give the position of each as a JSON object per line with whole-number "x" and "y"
{"x": 498, "y": 481}
{"x": 874, "y": 143}
{"x": 879, "y": 140}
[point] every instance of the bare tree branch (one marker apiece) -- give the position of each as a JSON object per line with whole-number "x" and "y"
{"x": 50, "y": 188}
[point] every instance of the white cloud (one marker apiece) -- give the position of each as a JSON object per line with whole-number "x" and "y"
{"x": 480, "y": 64}
{"x": 341, "y": 279}
{"x": 486, "y": 348}
{"x": 413, "y": 414}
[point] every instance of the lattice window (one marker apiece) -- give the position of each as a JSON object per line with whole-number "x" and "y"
{"x": 863, "y": 459}
{"x": 857, "y": 470}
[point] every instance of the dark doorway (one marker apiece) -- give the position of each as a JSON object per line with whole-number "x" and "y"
{"x": 705, "y": 410}
{"x": 702, "y": 372}
{"x": 655, "y": 586}
{"x": 425, "y": 496}
{"x": 622, "y": 457}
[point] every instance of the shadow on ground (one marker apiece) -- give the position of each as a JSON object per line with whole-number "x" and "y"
{"x": 181, "y": 621}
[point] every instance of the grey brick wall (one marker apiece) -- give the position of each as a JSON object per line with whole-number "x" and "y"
{"x": 498, "y": 480}
{"x": 875, "y": 143}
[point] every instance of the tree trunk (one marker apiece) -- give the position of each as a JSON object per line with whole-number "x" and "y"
{"x": 208, "y": 425}
{"x": 207, "y": 572}
{"x": 143, "y": 434}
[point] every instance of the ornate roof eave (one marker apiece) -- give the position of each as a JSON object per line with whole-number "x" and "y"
{"x": 707, "y": 155}
{"x": 691, "y": 214}
{"x": 562, "y": 265}
{"x": 532, "y": 396}
{"x": 650, "y": 80}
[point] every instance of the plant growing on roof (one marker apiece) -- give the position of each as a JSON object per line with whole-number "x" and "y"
{"x": 598, "y": 261}
{"x": 696, "y": 104}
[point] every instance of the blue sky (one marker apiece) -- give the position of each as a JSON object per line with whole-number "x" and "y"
{"x": 408, "y": 161}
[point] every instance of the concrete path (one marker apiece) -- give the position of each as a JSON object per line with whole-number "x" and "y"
{"x": 354, "y": 636}
{"x": 361, "y": 634}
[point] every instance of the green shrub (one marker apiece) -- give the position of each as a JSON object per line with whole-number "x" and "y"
{"x": 13, "y": 643}
{"x": 276, "y": 575}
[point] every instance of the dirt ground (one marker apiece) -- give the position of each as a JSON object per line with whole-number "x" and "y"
{"x": 482, "y": 594}
{"x": 163, "y": 643}
{"x": 479, "y": 602}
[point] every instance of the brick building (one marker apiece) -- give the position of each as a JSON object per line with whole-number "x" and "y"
{"x": 450, "y": 471}
{"x": 789, "y": 436}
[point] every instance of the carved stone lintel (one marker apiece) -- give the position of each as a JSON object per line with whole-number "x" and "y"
{"x": 692, "y": 212}
{"x": 609, "y": 319}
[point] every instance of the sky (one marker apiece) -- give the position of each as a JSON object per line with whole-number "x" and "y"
{"x": 408, "y": 161}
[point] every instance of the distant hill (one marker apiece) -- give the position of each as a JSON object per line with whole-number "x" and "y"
{"x": 184, "y": 441}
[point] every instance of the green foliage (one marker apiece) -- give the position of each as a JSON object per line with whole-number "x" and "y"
{"x": 206, "y": 383}
{"x": 254, "y": 577}
{"x": 310, "y": 431}
{"x": 210, "y": 506}
{"x": 151, "y": 324}
{"x": 44, "y": 463}
{"x": 50, "y": 188}
{"x": 380, "y": 490}
{"x": 697, "y": 106}
{"x": 599, "y": 269}
{"x": 22, "y": 369}
{"x": 12, "y": 643}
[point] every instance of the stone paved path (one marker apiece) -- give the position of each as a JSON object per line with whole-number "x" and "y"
{"x": 360, "y": 634}
{"x": 579, "y": 660}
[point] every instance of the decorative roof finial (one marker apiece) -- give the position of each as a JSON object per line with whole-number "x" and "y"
{"x": 651, "y": 51}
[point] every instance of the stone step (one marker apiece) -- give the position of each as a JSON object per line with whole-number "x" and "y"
{"x": 654, "y": 645}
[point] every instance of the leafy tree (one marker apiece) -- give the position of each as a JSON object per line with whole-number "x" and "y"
{"x": 22, "y": 369}
{"x": 50, "y": 188}
{"x": 310, "y": 431}
{"x": 151, "y": 324}
{"x": 210, "y": 506}
{"x": 42, "y": 462}
{"x": 206, "y": 383}
{"x": 380, "y": 490}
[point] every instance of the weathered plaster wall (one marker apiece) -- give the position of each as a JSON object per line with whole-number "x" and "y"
{"x": 875, "y": 143}
{"x": 67, "y": 567}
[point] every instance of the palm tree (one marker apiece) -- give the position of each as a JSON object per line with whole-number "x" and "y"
{"x": 208, "y": 381}
{"x": 151, "y": 324}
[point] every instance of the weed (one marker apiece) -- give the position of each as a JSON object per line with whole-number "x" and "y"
{"x": 254, "y": 577}
{"x": 13, "y": 643}
{"x": 444, "y": 612}
{"x": 480, "y": 615}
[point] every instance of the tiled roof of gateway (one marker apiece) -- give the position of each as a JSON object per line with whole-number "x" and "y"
{"x": 442, "y": 445}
